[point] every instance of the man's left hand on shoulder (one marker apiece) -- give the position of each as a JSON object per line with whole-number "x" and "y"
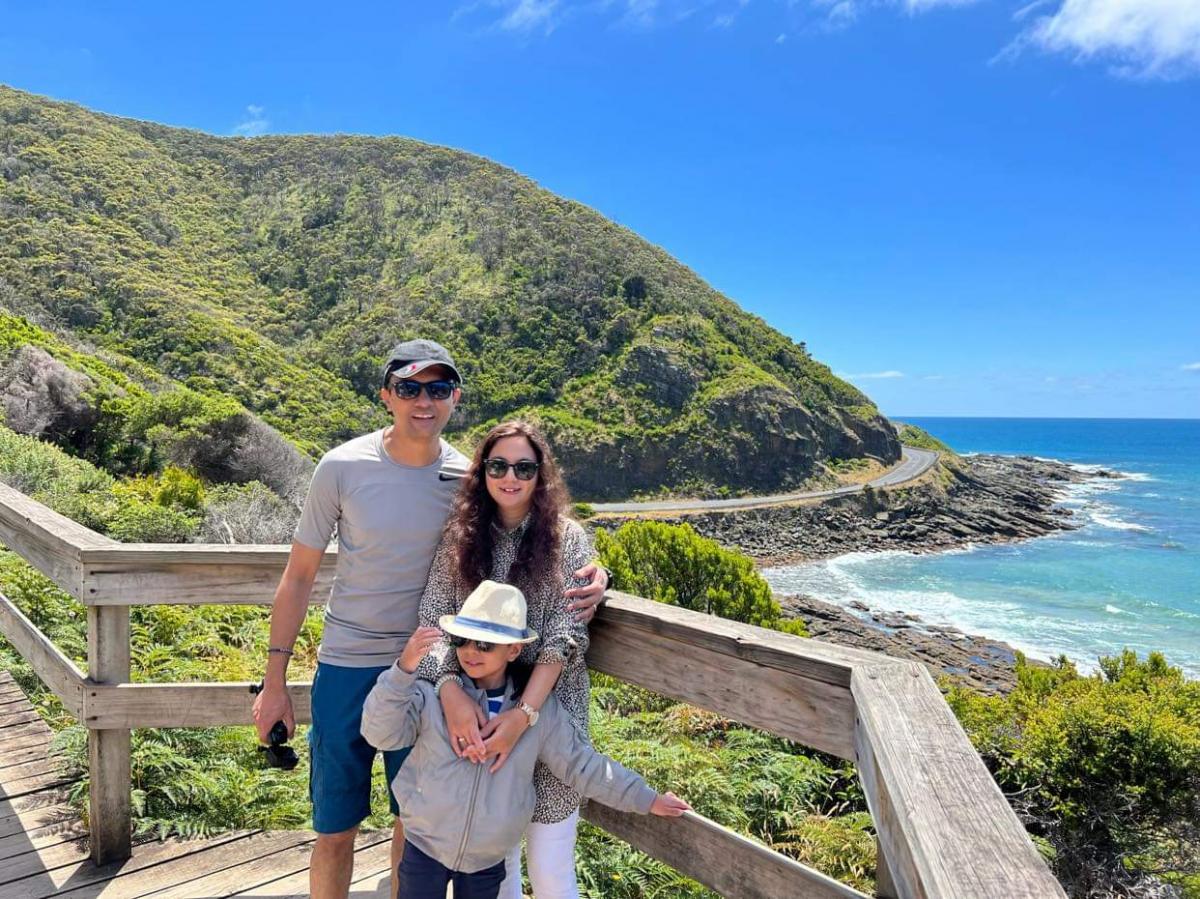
{"x": 584, "y": 601}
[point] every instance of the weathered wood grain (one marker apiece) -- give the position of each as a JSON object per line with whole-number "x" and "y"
{"x": 944, "y": 826}
{"x": 40, "y": 837}
{"x": 181, "y": 705}
{"x": 48, "y": 662}
{"x": 108, "y": 749}
{"x": 719, "y": 858}
{"x": 814, "y": 712}
{"x": 812, "y": 659}
{"x": 191, "y": 574}
{"x": 119, "y": 879}
{"x": 372, "y": 873}
{"x": 284, "y": 858}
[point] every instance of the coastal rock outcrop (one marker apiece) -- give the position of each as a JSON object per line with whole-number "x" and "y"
{"x": 976, "y": 499}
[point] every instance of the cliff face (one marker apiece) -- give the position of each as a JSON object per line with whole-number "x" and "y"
{"x": 279, "y": 270}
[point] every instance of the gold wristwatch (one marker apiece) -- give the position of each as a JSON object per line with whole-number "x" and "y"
{"x": 530, "y": 712}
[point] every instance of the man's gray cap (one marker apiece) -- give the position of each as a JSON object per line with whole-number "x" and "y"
{"x": 413, "y": 356}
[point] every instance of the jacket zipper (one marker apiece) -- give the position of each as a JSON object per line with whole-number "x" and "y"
{"x": 462, "y": 847}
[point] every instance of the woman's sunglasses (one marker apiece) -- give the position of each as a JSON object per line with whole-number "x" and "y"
{"x": 410, "y": 390}
{"x": 460, "y": 642}
{"x": 498, "y": 468}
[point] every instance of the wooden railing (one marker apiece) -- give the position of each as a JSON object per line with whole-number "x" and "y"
{"x": 944, "y": 829}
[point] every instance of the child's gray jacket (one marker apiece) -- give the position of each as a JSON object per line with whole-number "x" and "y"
{"x": 456, "y": 811}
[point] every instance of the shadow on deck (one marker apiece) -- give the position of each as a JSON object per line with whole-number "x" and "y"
{"x": 44, "y": 844}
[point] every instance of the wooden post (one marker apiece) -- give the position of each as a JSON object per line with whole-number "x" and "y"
{"x": 884, "y": 887}
{"x": 108, "y": 750}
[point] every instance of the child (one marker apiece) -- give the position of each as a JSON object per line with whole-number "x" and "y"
{"x": 460, "y": 819}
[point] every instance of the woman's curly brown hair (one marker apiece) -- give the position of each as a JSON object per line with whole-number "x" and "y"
{"x": 470, "y": 526}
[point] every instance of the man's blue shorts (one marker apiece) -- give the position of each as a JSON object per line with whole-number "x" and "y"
{"x": 339, "y": 782}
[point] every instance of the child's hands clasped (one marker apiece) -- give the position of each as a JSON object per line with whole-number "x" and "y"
{"x": 418, "y": 645}
{"x": 668, "y": 805}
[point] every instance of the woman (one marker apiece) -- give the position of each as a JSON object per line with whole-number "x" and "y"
{"x": 509, "y": 524}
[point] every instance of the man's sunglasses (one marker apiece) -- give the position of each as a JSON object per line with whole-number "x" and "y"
{"x": 498, "y": 468}
{"x": 410, "y": 390}
{"x": 460, "y": 642}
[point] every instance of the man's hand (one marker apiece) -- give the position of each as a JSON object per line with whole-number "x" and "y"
{"x": 668, "y": 805}
{"x": 585, "y": 599}
{"x": 273, "y": 704}
{"x": 418, "y": 646}
{"x": 463, "y": 720}
{"x": 500, "y": 735}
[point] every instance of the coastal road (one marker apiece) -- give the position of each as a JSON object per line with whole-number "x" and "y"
{"x": 913, "y": 463}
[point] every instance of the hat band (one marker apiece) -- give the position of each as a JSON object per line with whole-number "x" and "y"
{"x": 519, "y": 633}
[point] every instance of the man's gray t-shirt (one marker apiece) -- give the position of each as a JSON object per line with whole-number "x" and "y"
{"x": 389, "y": 518}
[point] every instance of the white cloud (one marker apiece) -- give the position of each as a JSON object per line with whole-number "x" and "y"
{"x": 526, "y": 15}
{"x": 874, "y": 375}
{"x": 916, "y": 6}
{"x": 254, "y": 122}
{"x": 782, "y": 37}
{"x": 529, "y": 16}
{"x": 840, "y": 13}
{"x": 1138, "y": 38}
{"x": 1191, "y": 366}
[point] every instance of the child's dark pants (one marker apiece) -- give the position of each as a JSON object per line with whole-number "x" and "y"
{"x": 422, "y": 877}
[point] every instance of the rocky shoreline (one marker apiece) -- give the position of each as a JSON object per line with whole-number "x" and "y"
{"x": 968, "y": 501}
{"x": 971, "y": 500}
{"x": 981, "y": 663}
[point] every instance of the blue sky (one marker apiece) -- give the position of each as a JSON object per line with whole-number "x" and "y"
{"x": 967, "y": 208}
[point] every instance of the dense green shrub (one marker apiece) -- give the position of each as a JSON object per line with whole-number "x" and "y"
{"x": 1106, "y": 767}
{"x": 675, "y": 565}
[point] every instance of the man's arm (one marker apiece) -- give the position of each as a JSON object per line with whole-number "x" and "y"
{"x": 589, "y": 580}
{"x": 287, "y": 614}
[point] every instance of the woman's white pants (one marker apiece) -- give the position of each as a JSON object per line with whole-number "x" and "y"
{"x": 550, "y": 853}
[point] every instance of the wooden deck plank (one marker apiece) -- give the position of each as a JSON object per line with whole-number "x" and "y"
{"x": 30, "y": 802}
{"x": 278, "y": 863}
{"x": 20, "y": 786}
{"x": 22, "y": 757}
{"x": 38, "y": 765}
{"x": 372, "y": 872}
{"x": 85, "y": 879}
{"x": 34, "y": 810}
{"x": 29, "y": 739}
{"x": 44, "y": 859}
{"x": 24, "y": 715}
{"x": 40, "y": 837}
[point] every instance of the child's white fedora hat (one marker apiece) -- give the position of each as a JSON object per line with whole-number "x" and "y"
{"x": 493, "y": 613}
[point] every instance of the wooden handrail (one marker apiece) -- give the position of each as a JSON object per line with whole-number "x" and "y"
{"x": 945, "y": 830}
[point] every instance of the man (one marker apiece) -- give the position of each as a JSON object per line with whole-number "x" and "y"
{"x": 388, "y": 494}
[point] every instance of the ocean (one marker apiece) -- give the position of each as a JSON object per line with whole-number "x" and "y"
{"x": 1129, "y": 577}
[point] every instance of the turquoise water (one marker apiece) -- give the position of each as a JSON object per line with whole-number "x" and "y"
{"x": 1129, "y": 577}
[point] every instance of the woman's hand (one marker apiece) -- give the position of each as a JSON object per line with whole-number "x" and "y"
{"x": 418, "y": 645}
{"x": 585, "y": 599}
{"x": 463, "y": 720}
{"x": 500, "y": 735}
{"x": 668, "y": 805}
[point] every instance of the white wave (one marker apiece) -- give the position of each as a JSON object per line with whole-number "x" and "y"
{"x": 1106, "y": 519}
{"x": 1016, "y": 619}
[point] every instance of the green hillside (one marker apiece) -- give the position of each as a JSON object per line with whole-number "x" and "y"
{"x": 277, "y": 271}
